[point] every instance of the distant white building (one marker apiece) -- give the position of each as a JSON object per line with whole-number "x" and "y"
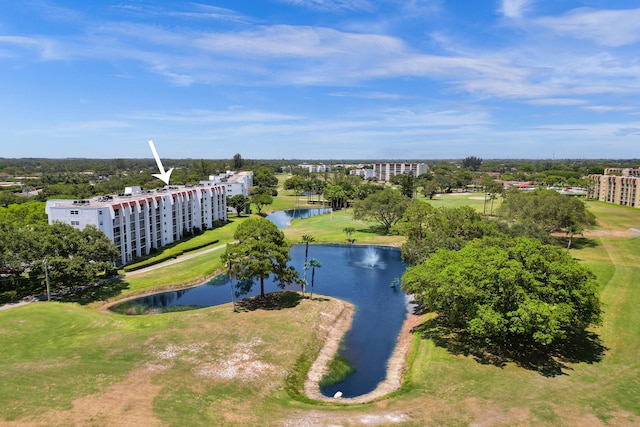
{"x": 384, "y": 171}
{"x": 315, "y": 168}
{"x": 234, "y": 182}
{"x": 365, "y": 173}
{"x": 138, "y": 221}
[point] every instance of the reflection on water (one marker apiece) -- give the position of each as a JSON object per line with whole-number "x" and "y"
{"x": 283, "y": 219}
{"x": 361, "y": 275}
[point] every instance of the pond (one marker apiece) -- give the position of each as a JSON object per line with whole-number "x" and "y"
{"x": 361, "y": 275}
{"x": 282, "y": 219}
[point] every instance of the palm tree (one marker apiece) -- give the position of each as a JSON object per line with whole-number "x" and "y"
{"x": 306, "y": 239}
{"x": 313, "y": 263}
{"x": 349, "y": 231}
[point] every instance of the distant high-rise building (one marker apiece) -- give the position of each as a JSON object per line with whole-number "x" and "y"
{"x": 617, "y": 185}
{"x": 384, "y": 171}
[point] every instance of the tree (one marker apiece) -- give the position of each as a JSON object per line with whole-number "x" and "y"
{"x": 386, "y": 207}
{"x": 264, "y": 177}
{"x": 429, "y": 229}
{"x": 306, "y": 239}
{"x": 430, "y": 189}
{"x": 261, "y": 199}
{"x": 313, "y": 264}
{"x": 237, "y": 202}
{"x": 29, "y": 213}
{"x": 462, "y": 178}
{"x": 349, "y": 232}
{"x": 238, "y": 162}
{"x": 512, "y": 292}
{"x": 547, "y": 209}
{"x": 336, "y": 196}
{"x": 408, "y": 184}
{"x": 261, "y": 250}
{"x": 296, "y": 183}
{"x": 472, "y": 162}
{"x": 201, "y": 169}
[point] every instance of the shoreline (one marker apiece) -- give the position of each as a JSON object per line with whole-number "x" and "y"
{"x": 396, "y": 366}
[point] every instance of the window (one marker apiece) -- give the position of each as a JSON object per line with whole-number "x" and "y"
{"x": 75, "y": 212}
{"x": 75, "y": 222}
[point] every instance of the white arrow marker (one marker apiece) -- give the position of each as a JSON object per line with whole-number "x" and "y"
{"x": 164, "y": 176}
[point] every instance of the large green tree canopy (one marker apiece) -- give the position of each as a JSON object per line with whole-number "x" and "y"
{"x": 261, "y": 250}
{"x": 386, "y": 207}
{"x": 73, "y": 257}
{"x": 429, "y": 229}
{"x": 547, "y": 209}
{"x": 507, "y": 290}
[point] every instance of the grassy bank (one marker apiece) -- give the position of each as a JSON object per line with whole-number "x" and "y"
{"x": 67, "y": 363}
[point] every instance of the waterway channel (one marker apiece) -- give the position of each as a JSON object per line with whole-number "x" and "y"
{"x": 363, "y": 275}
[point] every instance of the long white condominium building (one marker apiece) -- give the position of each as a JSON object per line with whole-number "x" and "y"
{"x": 138, "y": 221}
{"x": 384, "y": 171}
{"x": 618, "y": 185}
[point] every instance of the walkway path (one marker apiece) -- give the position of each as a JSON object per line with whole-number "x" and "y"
{"x": 174, "y": 261}
{"x": 133, "y": 273}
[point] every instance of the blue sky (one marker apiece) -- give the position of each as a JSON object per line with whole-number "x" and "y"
{"x": 320, "y": 79}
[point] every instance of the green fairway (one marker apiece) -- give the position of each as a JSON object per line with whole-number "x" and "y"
{"x": 72, "y": 364}
{"x": 588, "y": 390}
{"x": 475, "y": 200}
{"x": 329, "y": 228}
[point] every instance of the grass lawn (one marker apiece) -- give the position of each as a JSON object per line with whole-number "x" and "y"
{"x": 328, "y": 228}
{"x": 475, "y": 200}
{"x": 68, "y": 363}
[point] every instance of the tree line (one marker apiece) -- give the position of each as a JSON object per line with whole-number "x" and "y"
{"x": 31, "y": 251}
{"x": 503, "y": 282}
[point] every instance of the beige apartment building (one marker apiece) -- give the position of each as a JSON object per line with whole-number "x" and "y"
{"x": 618, "y": 185}
{"x": 384, "y": 171}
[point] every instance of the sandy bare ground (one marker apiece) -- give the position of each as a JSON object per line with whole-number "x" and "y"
{"x": 127, "y": 403}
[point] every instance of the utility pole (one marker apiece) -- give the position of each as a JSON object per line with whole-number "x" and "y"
{"x": 46, "y": 276}
{"x": 233, "y": 297}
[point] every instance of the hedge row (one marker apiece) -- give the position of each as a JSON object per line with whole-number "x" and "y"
{"x": 162, "y": 258}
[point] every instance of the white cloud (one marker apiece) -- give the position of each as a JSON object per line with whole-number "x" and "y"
{"x": 367, "y": 95}
{"x": 194, "y": 11}
{"x": 333, "y": 5}
{"x": 282, "y": 41}
{"x": 234, "y": 114}
{"x": 557, "y": 101}
{"x": 48, "y": 48}
{"x": 514, "y": 9}
{"x": 608, "y": 108}
{"x": 604, "y": 27}
{"x": 78, "y": 128}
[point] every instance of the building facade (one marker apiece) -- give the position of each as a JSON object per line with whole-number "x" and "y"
{"x": 138, "y": 221}
{"x": 315, "y": 168}
{"x": 619, "y": 186}
{"x": 365, "y": 173}
{"x": 234, "y": 182}
{"x": 384, "y": 171}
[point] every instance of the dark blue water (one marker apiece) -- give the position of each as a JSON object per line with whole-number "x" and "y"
{"x": 283, "y": 218}
{"x": 361, "y": 275}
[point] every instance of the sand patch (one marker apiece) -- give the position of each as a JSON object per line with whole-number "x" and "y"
{"x": 127, "y": 403}
{"x": 242, "y": 364}
{"x": 323, "y": 419}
